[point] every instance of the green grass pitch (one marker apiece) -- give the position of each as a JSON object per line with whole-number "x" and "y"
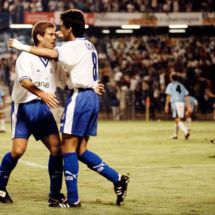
{"x": 166, "y": 176}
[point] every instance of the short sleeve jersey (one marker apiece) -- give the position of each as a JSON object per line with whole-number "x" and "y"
{"x": 80, "y": 61}
{"x": 177, "y": 91}
{"x": 39, "y": 70}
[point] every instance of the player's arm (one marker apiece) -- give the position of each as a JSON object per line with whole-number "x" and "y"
{"x": 43, "y": 52}
{"x": 48, "y": 98}
{"x": 166, "y": 109}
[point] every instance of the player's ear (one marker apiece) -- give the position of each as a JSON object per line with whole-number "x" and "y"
{"x": 39, "y": 37}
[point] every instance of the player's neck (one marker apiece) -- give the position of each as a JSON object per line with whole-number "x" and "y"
{"x": 71, "y": 37}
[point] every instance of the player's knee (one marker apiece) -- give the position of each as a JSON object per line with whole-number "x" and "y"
{"x": 55, "y": 150}
{"x": 17, "y": 152}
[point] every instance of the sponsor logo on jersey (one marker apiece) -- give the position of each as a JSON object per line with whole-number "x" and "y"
{"x": 42, "y": 84}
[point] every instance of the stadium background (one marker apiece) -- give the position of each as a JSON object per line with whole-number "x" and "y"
{"x": 139, "y": 43}
{"x": 167, "y": 176}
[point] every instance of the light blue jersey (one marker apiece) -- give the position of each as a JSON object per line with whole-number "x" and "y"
{"x": 177, "y": 91}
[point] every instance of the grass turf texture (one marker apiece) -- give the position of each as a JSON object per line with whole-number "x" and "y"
{"x": 167, "y": 176}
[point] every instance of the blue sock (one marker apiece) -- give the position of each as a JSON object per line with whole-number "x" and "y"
{"x": 7, "y": 165}
{"x": 55, "y": 168}
{"x": 95, "y": 163}
{"x": 71, "y": 176}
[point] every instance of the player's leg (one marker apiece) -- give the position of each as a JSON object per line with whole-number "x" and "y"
{"x": 176, "y": 129}
{"x": 94, "y": 162}
{"x": 8, "y": 163}
{"x": 188, "y": 118}
{"x": 20, "y": 134}
{"x": 180, "y": 109}
{"x": 45, "y": 129}
{"x": 71, "y": 168}
{"x": 174, "y": 116}
{"x": 55, "y": 167}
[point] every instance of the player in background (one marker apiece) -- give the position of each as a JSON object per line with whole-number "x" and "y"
{"x": 210, "y": 94}
{"x": 79, "y": 121}
{"x": 2, "y": 113}
{"x": 178, "y": 96}
{"x": 33, "y": 94}
{"x": 193, "y": 109}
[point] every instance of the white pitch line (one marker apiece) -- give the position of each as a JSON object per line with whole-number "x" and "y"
{"x": 27, "y": 163}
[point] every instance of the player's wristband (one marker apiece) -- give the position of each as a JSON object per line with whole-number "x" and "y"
{"x": 18, "y": 45}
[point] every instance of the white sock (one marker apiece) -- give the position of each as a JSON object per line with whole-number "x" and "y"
{"x": 182, "y": 127}
{"x": 2, "y": 124}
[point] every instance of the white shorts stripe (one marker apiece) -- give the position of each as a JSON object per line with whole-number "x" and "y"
{"x": 14, "y": 119}
{"x": 69, "y": 114}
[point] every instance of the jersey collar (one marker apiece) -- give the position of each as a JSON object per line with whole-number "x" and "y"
{"x": 45, "y": 61}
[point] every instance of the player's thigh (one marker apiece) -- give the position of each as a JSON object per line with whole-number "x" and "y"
{"x": 19, "y": 146}
{"x": 69, "y": 143}
{"x": 53, "y": 144}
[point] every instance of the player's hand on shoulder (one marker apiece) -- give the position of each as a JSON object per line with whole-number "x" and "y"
{"x": 59, "y": 34}
{"x": 99, "y": 88}
{"x": 50, "y": 100}
{"x": 14, "y": 43}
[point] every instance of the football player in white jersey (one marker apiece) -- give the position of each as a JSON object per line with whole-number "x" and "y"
{"x": 178, "y": 96}
{"x": 79, "y": 120}
{"x": 33, "y": 94}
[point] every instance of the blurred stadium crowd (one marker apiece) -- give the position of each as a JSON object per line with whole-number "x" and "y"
{"x": 20, "y": 6}
{"x": 133, "y": 67}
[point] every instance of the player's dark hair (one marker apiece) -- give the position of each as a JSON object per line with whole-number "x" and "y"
{"x": 40, "y": 28}
{"x": 174, "y": 77}
{"x": 74, "y": 19}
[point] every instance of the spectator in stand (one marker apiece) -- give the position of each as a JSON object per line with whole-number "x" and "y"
{"x": 111, "y": 5}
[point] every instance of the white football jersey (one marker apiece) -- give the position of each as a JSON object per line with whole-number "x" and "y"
{"x": 41, "y": 71}
{"x": 79, "y": 59}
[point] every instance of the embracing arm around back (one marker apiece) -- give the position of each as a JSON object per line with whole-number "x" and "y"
{"x": 43, "y": 52}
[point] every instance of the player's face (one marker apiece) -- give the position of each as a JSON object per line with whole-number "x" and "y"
{"x": 49, "y": 38}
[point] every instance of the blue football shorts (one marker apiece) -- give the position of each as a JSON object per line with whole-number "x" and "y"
{"x": 80, "y": 114}
{"x": 33, "y": 117}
